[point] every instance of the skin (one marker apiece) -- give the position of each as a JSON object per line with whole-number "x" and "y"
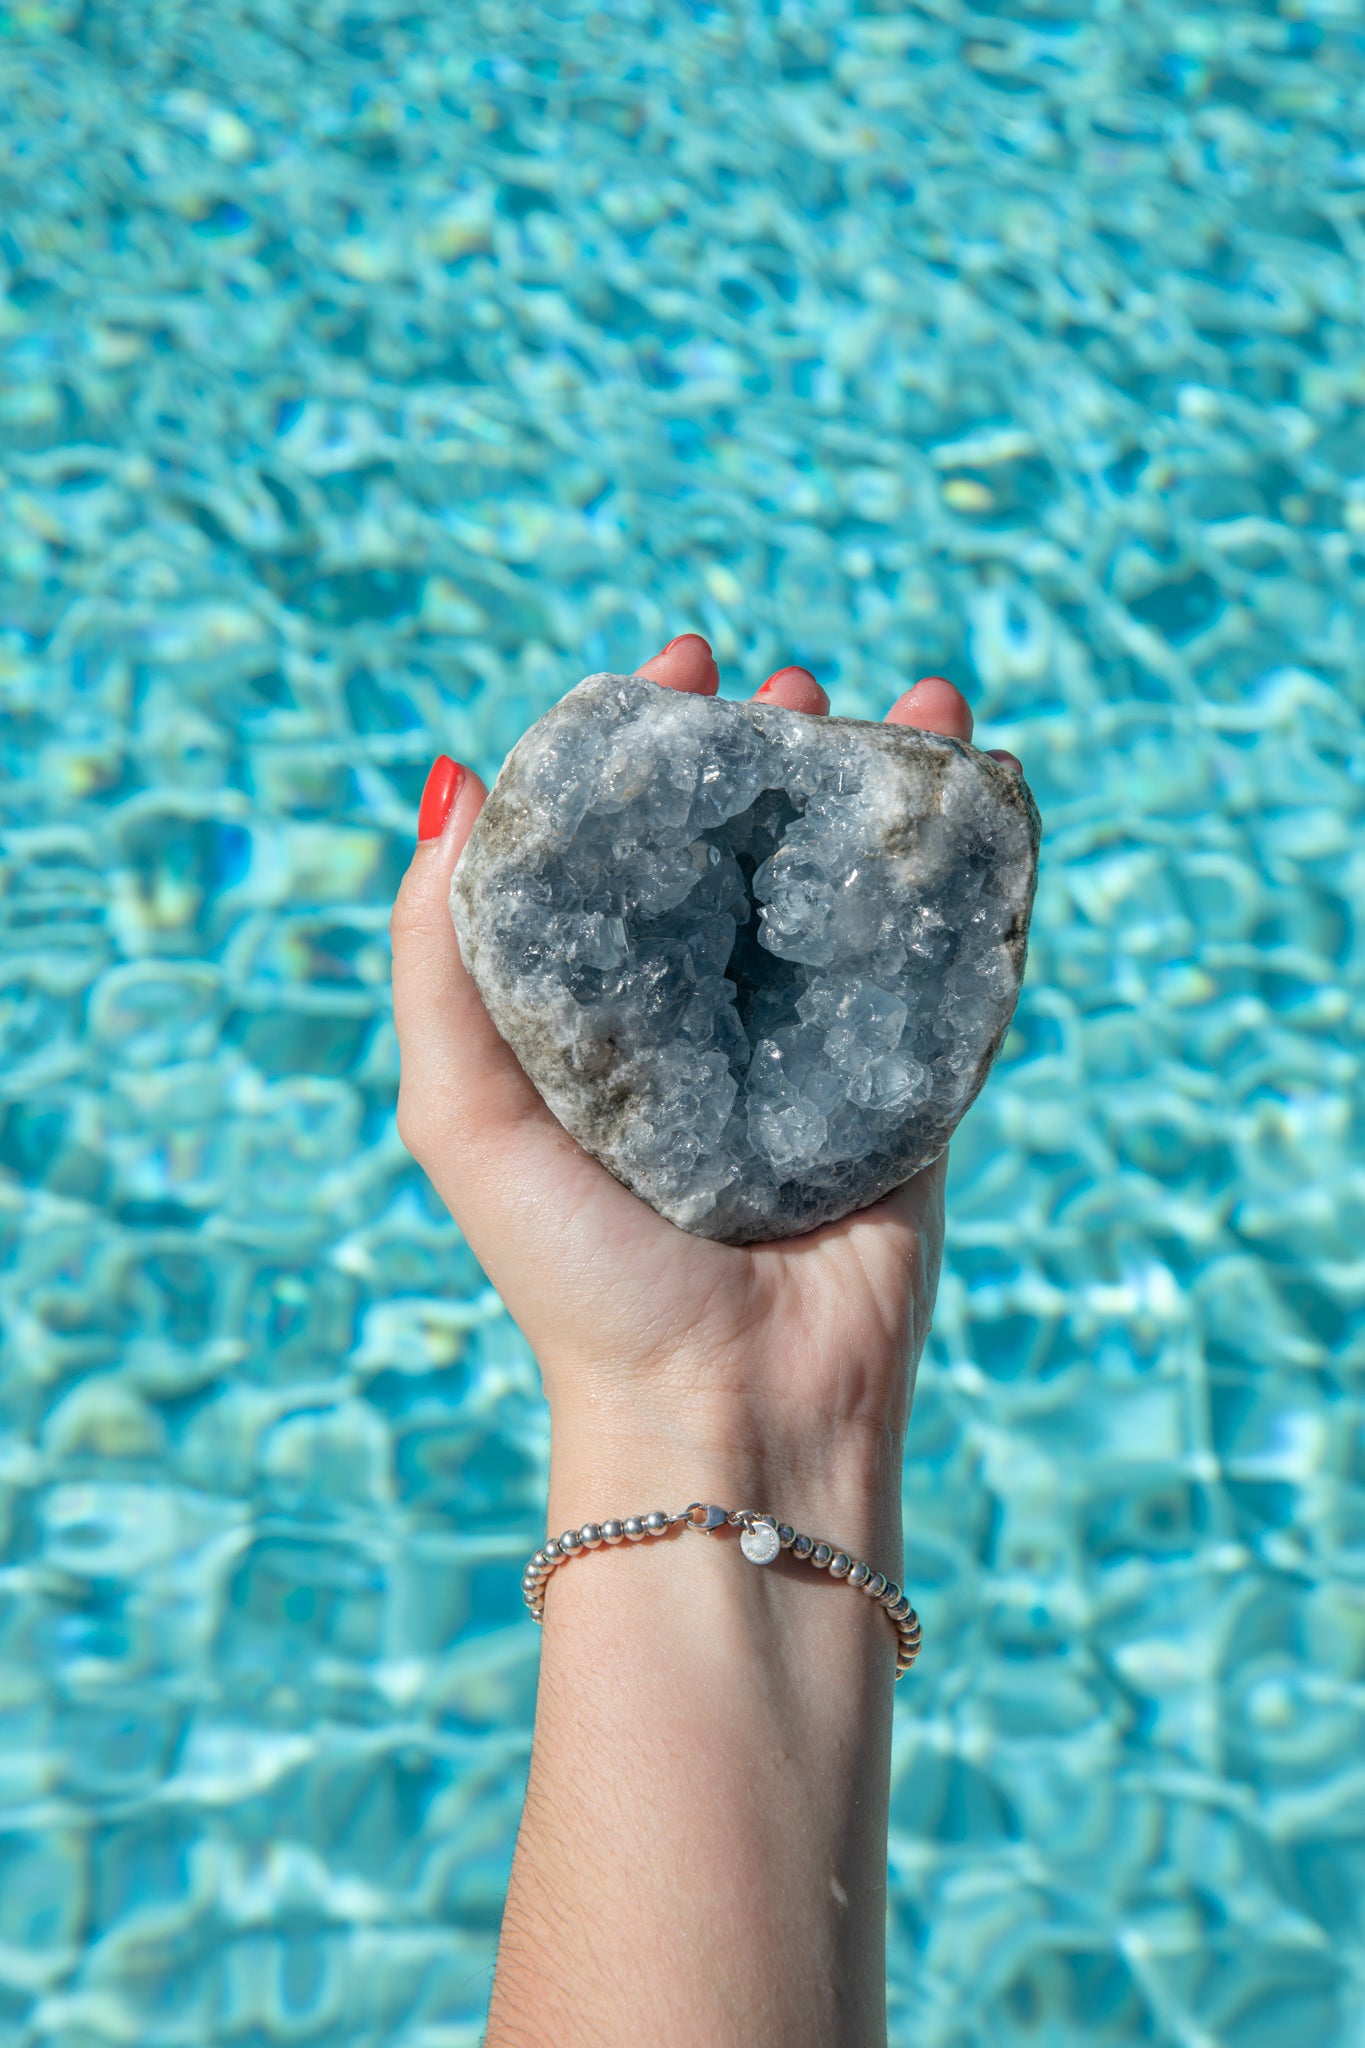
{"x": 703, "y": 1849}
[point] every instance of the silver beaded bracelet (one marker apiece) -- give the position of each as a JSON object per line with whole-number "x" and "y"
{"x": 762, "y": 1538}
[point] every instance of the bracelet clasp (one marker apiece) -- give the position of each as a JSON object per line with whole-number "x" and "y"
{"x": 704, "y": 1517}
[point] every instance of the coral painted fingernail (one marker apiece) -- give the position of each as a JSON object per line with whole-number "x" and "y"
{"x": 438, "y": 798}
{"x": 793, "y": 674}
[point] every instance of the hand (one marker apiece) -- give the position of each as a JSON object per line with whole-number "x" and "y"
{"x": 670, "y": 1362}
{"x": 772, "y": 1376}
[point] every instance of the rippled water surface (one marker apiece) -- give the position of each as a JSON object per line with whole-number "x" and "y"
{"x": 369, "y": 374}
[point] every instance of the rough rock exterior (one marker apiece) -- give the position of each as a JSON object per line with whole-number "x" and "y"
{"x": 757, "y": 963}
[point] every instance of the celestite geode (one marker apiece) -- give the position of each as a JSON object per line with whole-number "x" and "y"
{"x": 757, "y": 963}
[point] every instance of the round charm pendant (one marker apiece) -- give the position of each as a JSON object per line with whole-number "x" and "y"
{"x": 759, "y": 1542}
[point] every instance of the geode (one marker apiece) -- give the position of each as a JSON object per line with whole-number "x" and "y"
{"x": 758, "y": 963}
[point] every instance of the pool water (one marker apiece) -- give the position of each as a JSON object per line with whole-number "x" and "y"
{"x": 369, "y": 374}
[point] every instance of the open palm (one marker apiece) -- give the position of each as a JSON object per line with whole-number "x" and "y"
{"x": 618, "y": 1304}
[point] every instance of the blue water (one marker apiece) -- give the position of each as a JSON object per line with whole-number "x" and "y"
{"x": 370, "y": 374}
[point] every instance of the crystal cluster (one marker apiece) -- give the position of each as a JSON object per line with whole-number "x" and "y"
{"x": 757, "y": 963}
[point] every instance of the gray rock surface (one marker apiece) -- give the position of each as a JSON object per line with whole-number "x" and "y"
{"x": 757, "y": 963}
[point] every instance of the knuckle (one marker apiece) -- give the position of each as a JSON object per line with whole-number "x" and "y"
{"x": 406, "y": 920}
{"x": 420, "y": 909}
{"x": 411, "y": 1125}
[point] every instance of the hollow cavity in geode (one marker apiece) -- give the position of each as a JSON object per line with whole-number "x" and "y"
{"x": 757, "y": 963}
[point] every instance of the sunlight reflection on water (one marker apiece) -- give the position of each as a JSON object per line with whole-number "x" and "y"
{"x": 372, "y": 373}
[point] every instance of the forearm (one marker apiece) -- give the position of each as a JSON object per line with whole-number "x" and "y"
{"x": 703, "y": 1851}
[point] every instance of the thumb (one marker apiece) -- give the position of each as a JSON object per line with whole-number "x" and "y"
{"x": 464, "y": 1103}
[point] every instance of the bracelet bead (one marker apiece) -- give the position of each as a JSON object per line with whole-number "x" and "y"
{"x": 762, "y": 1537}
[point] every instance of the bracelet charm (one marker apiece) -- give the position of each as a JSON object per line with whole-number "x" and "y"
{"x": 762, "y": 1539}
{"x": 759, "y": 1541}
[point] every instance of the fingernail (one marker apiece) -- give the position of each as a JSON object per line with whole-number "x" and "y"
{"x": 929, "y": 679}
{"x": 438, "y": 798}
{"x": 1009, "y": 760}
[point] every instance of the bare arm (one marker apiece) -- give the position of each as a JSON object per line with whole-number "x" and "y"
{"x": 703, "y": 1850}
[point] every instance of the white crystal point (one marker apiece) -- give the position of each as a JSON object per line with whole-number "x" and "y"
{"x": 756, "y": 963}
{"x": 759, "y": 1542}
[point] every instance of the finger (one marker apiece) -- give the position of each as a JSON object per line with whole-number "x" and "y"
{"x": 466, "y": 1110}
{"x": 687, "y": 663}
{"x": 1010, "y": 760}
{"x": 449, "y": 1046}
{"x": 934, "y": 706}
{"x": 795, "y": 689}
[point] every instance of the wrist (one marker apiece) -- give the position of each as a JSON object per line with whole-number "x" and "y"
{"x": 840, "y": 1483}
{"x": 713, "y": 1743}
{"x": 706, "y": 1722}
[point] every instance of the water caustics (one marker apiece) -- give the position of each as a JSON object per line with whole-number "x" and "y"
{"x": 367, "y": 376}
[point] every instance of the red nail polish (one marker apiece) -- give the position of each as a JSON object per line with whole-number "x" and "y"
{"x": 438, "y": 798}
{"x": 929, "y": 679}
{"x": 793, "y": 672}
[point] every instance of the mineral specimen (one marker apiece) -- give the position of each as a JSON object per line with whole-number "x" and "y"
{"x": 757, "y": 963}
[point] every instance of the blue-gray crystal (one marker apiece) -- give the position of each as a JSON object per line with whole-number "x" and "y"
{"x": 757, "y": 963}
